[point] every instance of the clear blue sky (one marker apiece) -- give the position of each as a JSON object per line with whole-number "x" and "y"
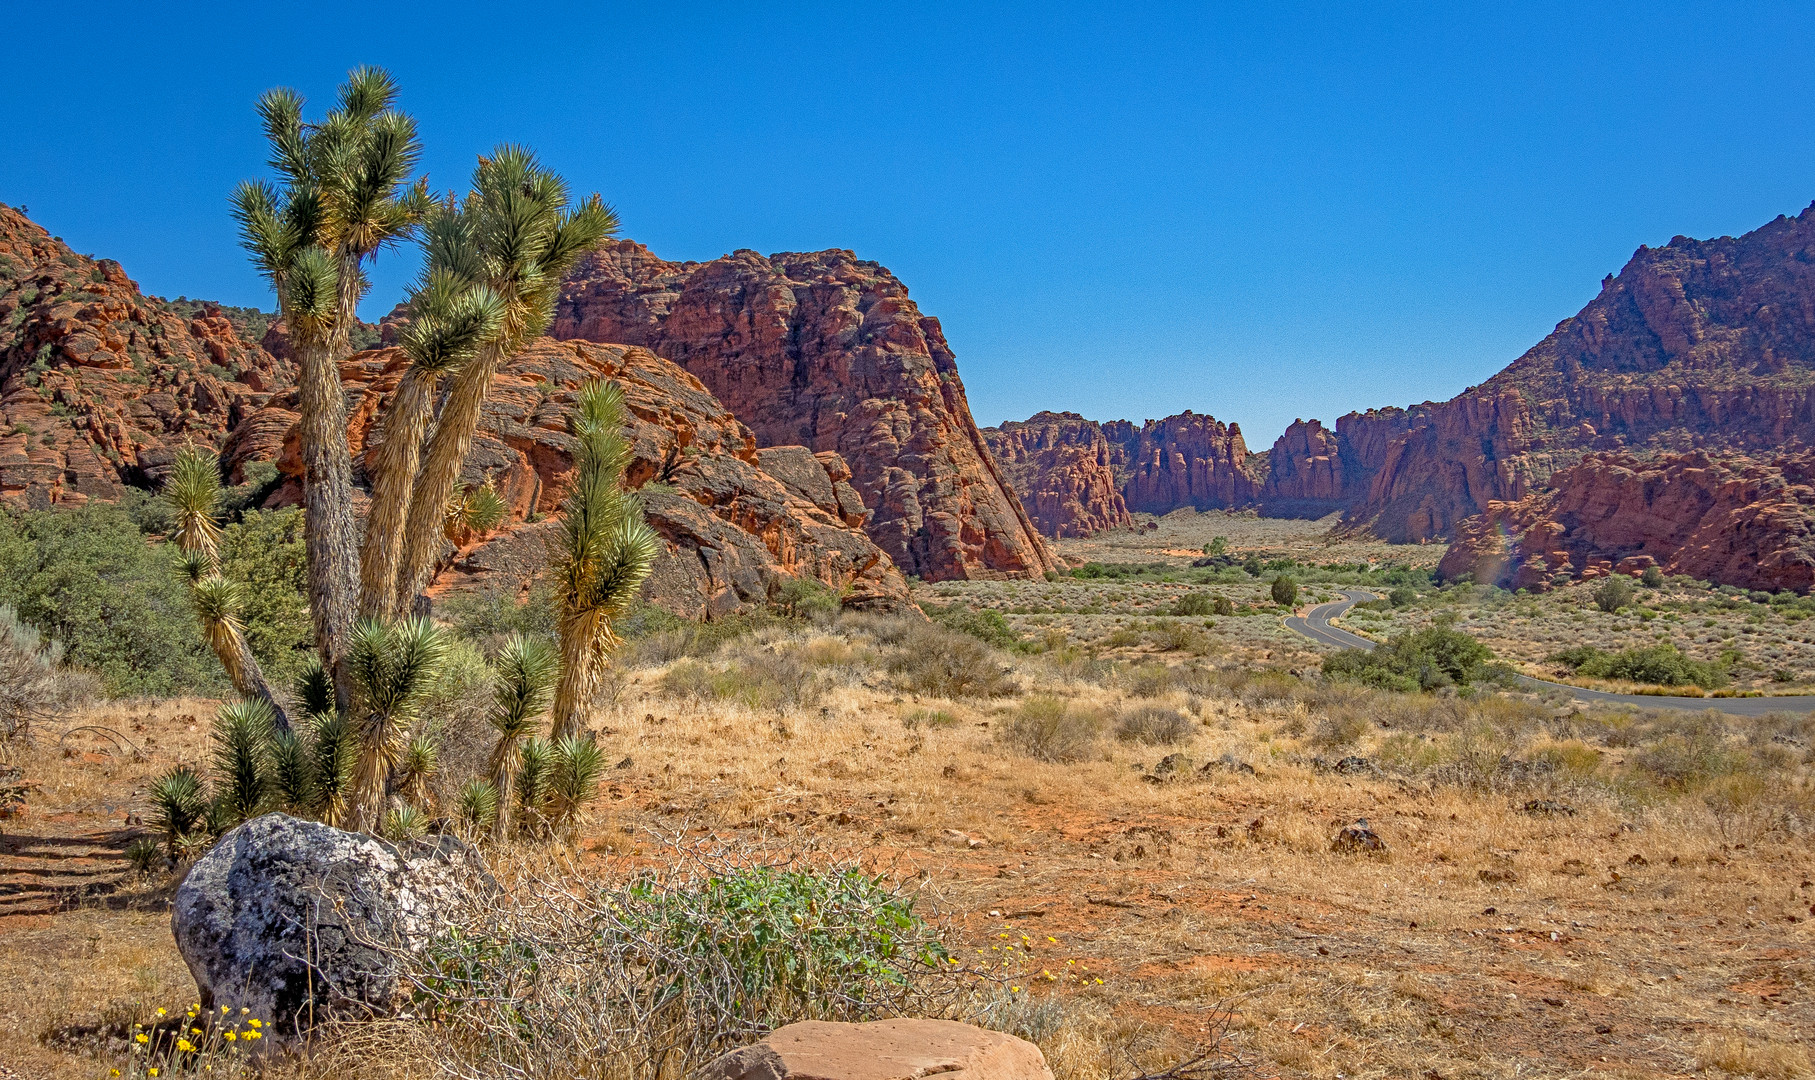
{"x": 1258, "y": 212}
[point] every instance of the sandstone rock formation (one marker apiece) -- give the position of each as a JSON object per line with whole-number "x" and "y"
{"x": 1700, "y": 343}
{"x": 738, "y": 521}
{"x": 1725, "y": 518}
{"x": 826, "y": 351}
{"x": 1184, "y": 460}
{"x": 100, "y": 384}
{"x": 1064, "y": 470}
{"x": 904, "y": 1049}
{"x": 301, "y": 923}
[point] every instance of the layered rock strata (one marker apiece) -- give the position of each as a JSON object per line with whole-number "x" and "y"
{"x": 1064, "y": 470}
{"x": 1725, "y": 518}
{"x": 738, "y": 521}
{"x": 827, "y": 351}
{"x": 101, "y": 384}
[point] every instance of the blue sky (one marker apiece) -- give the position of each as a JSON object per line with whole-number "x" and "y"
{"x": 1261, "y": 212}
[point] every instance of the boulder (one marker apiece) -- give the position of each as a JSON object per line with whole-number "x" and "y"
{"x": 298, "y": 921}
{"x": 903, "y": 1049}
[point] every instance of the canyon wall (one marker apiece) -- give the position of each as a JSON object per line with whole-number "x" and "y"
{"x": 826, "y": 351}
{"x": 1064, "y": 470}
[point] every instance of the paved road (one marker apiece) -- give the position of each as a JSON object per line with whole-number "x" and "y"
{"x": 1315, "y": 624}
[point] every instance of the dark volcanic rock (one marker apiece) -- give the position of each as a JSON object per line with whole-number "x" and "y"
{"x": 300, "y": 922}
{"x": 825, "y": 350}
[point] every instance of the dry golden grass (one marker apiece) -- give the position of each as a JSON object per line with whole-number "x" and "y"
{"x": 1649, "y": 934}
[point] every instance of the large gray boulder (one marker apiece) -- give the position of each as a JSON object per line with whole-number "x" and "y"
{"x": 298, "y": 921}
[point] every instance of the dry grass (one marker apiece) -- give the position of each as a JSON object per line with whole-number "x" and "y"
{"x": 1667, "y": 899}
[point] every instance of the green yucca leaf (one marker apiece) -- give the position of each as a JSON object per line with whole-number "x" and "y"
{"x": 179, "y": 799}
{"x": 193, "y": 565}
{"x": 536, "y": 759}
{"x": 314, "y": 689}
{"x": 394, "y": 665}
{"x": 193, "y": 493}
{"x": 219, "y": 600}
{"x": 526, "y": 670}
{"x": 311, "y": 298}
{"x": 242, "y": 736}
{"x": 575, "y": 768}
{"x": 405, "y": 823}
{"x": 293, "y": 772}
{"x": 336, "y": 752}
{"x": 477, "y": 806}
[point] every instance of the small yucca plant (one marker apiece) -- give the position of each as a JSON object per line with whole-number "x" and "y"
{"x": 144, "y": 855}
{"x": 193, "y": 493}
{"x": 526, "y": 670}
{"x": 477, "y": 808}
{"x": 179, "y": 803}
{"x": 335, "y": 752}
{"x": 405, "y": 823}
{"x": 573, "y": 779}
{"x": 474, "y": 511}
{"x": 535, "y": 766}
{"x": 604, "y": 553}
{"x": 292, "y": 773}
{"x": 242, "y": 736}
{"x": 393, "y": 667}
{"x": 418, "y": 765}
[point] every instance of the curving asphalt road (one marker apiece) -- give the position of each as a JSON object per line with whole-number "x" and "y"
{"x": 1315, "y": 624}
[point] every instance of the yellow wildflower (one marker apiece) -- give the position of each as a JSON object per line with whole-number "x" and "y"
{"x": 255, "y": 1022}
{"x": 142, "y": 1037}
{"x": 251, "y": 1034}
{"x": 1052, "y": 939}
{"x": 1014, "y": 989}
{"x": 152, "y": 1072}
{"x": 229, "y": 1036}
{"x": 160, "y": 1010}
{"x": 185, "y": 1046}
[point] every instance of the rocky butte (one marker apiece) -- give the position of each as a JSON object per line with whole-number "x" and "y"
{"x": 99, "y": 385}
{"x": 827, "y": 351}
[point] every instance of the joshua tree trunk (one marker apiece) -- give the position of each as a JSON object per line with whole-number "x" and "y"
{"x": 453, "y": 437}
{"x": 584, "y": 635}
{"x": 394, "y": 465}
{"x": 330, "y": 532}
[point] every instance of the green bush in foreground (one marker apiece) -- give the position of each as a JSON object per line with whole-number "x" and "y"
{"x": 1659, "y": 665}
{"x": 1425, "y": 660}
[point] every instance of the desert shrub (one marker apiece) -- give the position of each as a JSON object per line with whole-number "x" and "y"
{"x": 1150, "y": 681}
{"x": 670, "y": 637}
{"x": 1423, "y": 660}
{"x": 939, "y": 663}
{"x": 1403, "y": 596}
{"x": 1692, "y": 758}
{"x": 1052, "y": 729}
{"x": 489, "y": 617}
{"x": 985, "y": 624}
{"x": 1659, "y": 665}
{"x": 1614, "y": 593}
{"x": 933, "y": 718}
{"x": 1222, "y": 605}
{"x": 1194, "y": 604}
{"x": 32, "y": 684}
{"x": 804, "y": 598}
{"x": 1284, "y": 591}
{"x": 454, "y": 712}
{"x": 759, "y": 680}
{"x": 1154, "y": 725}
{"x": 87, "y": 579}
{"x": 1337, "y": 729}
{"x": 264, "y": 552}
{"x": 1180, "y": 637}
{"x": 1652, "y": 578}
{"x": 563, "y": 978}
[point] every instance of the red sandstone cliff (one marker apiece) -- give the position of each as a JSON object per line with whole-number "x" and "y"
{"x": 738, "y": 521}
{"x": 1725, "y": 518}
{"x": 100, "y": 384}
{"x": 1064, "y": 470}
{"x": 825, "y": 350}
{"x": 1184, "y": 460}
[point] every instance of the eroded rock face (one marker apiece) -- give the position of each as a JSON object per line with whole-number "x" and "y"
{"x": 826, "y": 351}
{"x": 300, "y": 922}
{"x": 738, "y": 521}
{"x": 1184, "y": 460}
{"x": 905, "y": 1049}
{"x": 1723, "y": 518}
{"x": 1064, "y": 470}
{"x": 100, "y": 384}
{"x": 1697, "y": 344}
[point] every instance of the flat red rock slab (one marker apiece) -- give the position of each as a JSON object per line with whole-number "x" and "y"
{"x": 883, "y": 1050}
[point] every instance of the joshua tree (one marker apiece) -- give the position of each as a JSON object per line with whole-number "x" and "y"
{"x": 605, "y": 552}
{"x": 449, "y": 319}
{"x": 194, "y": 494}
{"x": 392, "y": 666}
{"x": 526, "y": 677}
{"x": 524, "y": 236}
{"x": 242, "y": 735}
{"x": 345, "y": 194}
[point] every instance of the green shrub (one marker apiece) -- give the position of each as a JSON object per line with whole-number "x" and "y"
{"x": 1652, "y": 578}
{"x": 1659, "y": 665}
{"x": 1614, "y": 593}
{"x": 86, "y": 578}
{"x": 488, "y": 618}
{"x": 1050, "y": 729}
{"x": 939, "y": 663}
{"x": 1222, "y": 606}
{"x": 1403, "y": 596}
{"x": 805, "y": 598}
{"x": 1284, "y": 591}
{"x": 762, "y": 681}
{"x": 1425, "y": 660}
{"x": 263, "y": 551}
{"x": 1154, "y": 725}
{"x": 985, "y": 624}
{"x": 1195, "y": 604}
